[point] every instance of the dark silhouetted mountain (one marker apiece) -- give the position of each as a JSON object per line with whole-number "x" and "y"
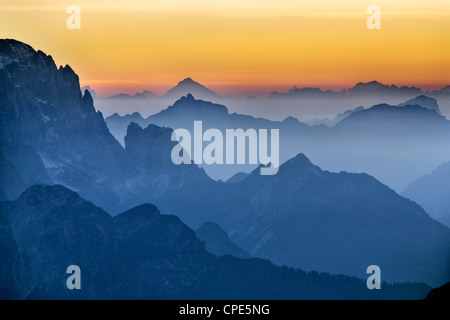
{"x": 47, "y": 229}
{"x": 306, "y": 93}
{"x": 303, "y": 216}
{"x": 445, "y": 91}
{"x": 46, "y": 124}
{"x": 441, "y": 293}
{"x": 377, "y": 88}
{"x": 150, "y": 149}
{"x": 383, "y": 116}
{"x": 144, "y": 95}
{"x": 339, "y": 117}
{"x": 217, "y": 241}
{"x": 332, "y": 222}
{"x": 91, "y": 91}
{"x": 372, "y": 92}
{"x": 142, "y": 254}
{"x": 424, "y": 102}
{"x": 186, "y": 110}
{"x": 393, "y": 144}
{"x": 432, "y": 193}
{"x": 118, "y": 125}
{"x": 189, "y": 86}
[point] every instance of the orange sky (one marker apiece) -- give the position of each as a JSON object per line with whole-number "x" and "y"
{"x": 236, "y": 45}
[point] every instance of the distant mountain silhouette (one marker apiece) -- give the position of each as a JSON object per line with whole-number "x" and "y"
{"x": 375, "y": 87}
{"x": 118, "y": 125}
{"x": 445, "y": 91}
{"x": 432, "y": 193}
{"x": 144, "y": 95}
{"x": 339, "y": 117}
{"x": 303, "y": 216}
{"x": 142, "y": 254}
{"x": 394, "y": 144}
{"x": 360, "y": 140}
{"x": 316, "y": 220}
{"x": 306, "y": 92}
{"x": 424, "y": 102}
{"x": 150, "y": 149}
{"x": 49, "y": 97}
{"x": 189, "y": 86}
{"x": 217, "y": 241}
{"x": 360, "y": 90}
{"x": 188, "y": 109}
{"x": 91, "y": 91}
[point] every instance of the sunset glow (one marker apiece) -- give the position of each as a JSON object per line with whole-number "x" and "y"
{"x": 234, "y": 46}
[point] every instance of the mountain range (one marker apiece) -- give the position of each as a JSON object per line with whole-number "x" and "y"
{"x": 142, "y": 254}
{"x": 317, "y": 220}
{"x": 50, "y": 132}
{"x": 361, "y": 140}
{"x": 188, "y": 85}
{"x": 303, "y": 217}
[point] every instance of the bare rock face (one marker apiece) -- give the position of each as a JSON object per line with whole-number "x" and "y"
{"x": 64, "y": 138}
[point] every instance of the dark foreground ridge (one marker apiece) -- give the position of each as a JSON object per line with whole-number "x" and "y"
{"x": 142, "y": 254}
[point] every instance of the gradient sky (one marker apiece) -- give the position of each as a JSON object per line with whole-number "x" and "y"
{"x": 238, "y": 45}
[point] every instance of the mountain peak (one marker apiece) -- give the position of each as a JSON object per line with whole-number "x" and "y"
{"x": 187, "y": 107}
{"x": 14, "y": 51}
{"x": 378, "y": 88}
{"x": 301, "y": 159}
{"x": 297, "y": 165}
{"x": 134, "y": 219}
{"x": 423, "y": 101}
{"x": 190, "y": 86}
{"x": 187, "y": 81}
{"x": 133, "y": 129}
{"x": 49, "y": 196}
{"x": 291, "y": 120}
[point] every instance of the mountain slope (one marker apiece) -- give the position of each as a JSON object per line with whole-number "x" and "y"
{"x": 11, "y": 183}
{"x": 394, "y": 144}
{"x": 189, "y": 86}
{"x": 424, "y": 102}
{"x": 142, "y": 254}
{"x": 318, "y": 220}
{"x": 378, "y": 89}
{"x": 432, "y": 193}
{"x": 217, "y": 241}
{"x": 118, "y": 125}
{"x": 45, "y": 113}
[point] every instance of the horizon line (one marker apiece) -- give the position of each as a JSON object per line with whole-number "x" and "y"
{"x": 236, "y": 89}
